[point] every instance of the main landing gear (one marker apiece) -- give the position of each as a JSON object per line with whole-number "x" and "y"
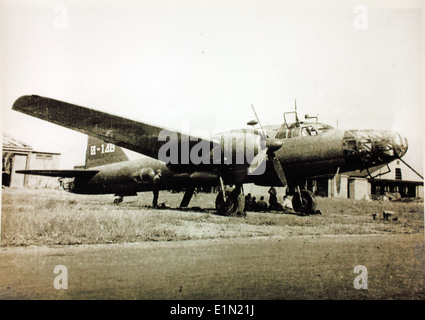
{"x": 304, "y": 201}
{"x": 230, "y": 203}
{"x": 118, "y": 200}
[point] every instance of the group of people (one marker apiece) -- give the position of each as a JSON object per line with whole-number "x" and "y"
{"x": 251, "y": 203}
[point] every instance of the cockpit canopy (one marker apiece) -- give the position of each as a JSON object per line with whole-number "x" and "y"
{"x": 294, "y": 128}
{"x": 302, "y": 129}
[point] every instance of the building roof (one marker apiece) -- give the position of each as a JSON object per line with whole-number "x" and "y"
{"x": 11, "y": 143}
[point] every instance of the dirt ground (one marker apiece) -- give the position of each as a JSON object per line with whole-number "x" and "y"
{"x": 131, "y": 251}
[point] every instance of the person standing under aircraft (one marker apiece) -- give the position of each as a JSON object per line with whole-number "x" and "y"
{"x": 248, "y": 200}
{"x": 273, "y": 203}
{"x": 155, "y": 188}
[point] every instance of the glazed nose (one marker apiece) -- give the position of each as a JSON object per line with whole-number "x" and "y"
{"x": 400, "y": 145}
{"x": 373, "y": 147}
{"x": 388, "y": 144}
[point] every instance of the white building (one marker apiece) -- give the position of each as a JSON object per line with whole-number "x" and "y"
{"x": 17, "y": 155}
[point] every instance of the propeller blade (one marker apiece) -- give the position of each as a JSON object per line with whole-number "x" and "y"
{"x": 258, "y": 120}
{"x": 279, "y": 170}
{"x": 338, "y": 181}
{"x": 258, "y": 161}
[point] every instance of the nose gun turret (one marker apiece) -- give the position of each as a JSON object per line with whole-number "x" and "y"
{"x": 369, "y": 148}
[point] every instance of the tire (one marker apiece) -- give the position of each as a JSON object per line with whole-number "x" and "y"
{"x": 224, "y": 206}
{"x": 307, "y": 203}
{"x": 118, "y": 200}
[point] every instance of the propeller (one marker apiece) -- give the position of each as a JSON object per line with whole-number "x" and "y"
{"x": 261, "y": 157}
{"x": 268, "y": 147}
{"x": 279, "y": 170}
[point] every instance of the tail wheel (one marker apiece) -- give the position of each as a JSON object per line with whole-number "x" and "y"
{"x": 224, "y": 206}
{"x": 118, "y": 200}
{"x": 305, "y": 203}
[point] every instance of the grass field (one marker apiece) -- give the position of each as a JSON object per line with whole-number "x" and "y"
{"x": 52, "y": 217}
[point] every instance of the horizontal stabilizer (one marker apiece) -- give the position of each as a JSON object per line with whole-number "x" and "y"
{"x": 61, "y": 173}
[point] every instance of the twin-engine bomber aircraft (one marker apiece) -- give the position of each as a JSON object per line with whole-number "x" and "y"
{"x": 275, "y": 155}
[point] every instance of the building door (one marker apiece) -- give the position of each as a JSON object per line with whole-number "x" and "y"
{"x": 18, "y": 163}
{"x": 6, "y": 168}
{"x": 351, "y": 192}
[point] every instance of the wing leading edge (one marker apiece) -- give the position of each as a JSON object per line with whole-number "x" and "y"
{"x": 130, "y": 134}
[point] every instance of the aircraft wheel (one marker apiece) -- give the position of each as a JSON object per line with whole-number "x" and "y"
{"x": 118, "y": 200}
{"x": 306, "y": 203}
{"x": 70, "y": 187}
{"x": 224, "y": 206}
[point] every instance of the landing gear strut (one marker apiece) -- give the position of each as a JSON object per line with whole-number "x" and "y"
{"x": 187, "y": 196}
{"x": 225, "y": 205}
{"x": 230, "y": 203}
{"x": 304, "y": 201}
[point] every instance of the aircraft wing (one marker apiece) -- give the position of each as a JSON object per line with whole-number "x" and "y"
{"x": 61, "y": 173}
{"x": 130, "y": 134}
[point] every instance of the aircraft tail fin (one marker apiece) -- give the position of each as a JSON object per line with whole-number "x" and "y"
{"x": 100, "y": 152}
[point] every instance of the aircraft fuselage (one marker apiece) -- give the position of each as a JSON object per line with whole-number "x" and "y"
{"x": 276, "y": 155}
{"x": 301, "y": 157}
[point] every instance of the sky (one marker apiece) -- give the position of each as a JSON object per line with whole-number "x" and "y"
{"x": 200, "y": 64}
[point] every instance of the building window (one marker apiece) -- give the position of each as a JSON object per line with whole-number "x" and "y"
{"x": 397, "y": 173}
{"x": 44, "y": 156}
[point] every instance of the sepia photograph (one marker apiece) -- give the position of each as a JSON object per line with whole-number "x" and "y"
{"x": 194, "y": 151}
